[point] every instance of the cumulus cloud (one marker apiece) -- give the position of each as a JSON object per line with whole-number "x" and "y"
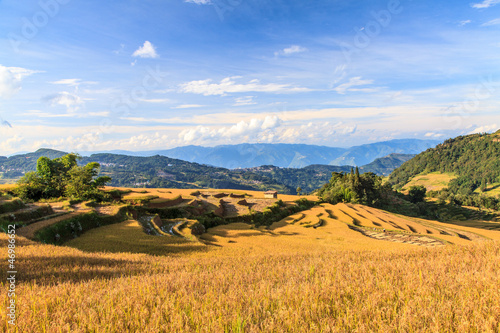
{"x": 10, "y": 79}
{"x": 12, "y": 144}
{"x": 352, "y": 84}
{"x": 228, "y": 85}
{"x": 484, "y": 129}
{"x": 146, "y": 51}
{"x": 492, "y": 22}
{"x": 70, "y": 101}
{"x": 250, "y": 130}
{"x": 147, "y": 140}
{"x": 485, "y": 4}
{"x": 290, "y": 50}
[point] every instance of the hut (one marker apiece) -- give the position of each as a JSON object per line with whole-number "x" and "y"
{"x": 271, "y": 194}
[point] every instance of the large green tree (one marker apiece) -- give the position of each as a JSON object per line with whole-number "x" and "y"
{"x": 61, "y": 177}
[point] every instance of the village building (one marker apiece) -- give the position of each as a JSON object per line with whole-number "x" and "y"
{"x": 271, "y": 194}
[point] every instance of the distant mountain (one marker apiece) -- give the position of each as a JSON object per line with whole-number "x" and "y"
{"x": 288, "y": 155}
{"x": 364, "y": 154}
{"x": 253, "y": 155}
{"x": 385, "y": 165}
{"x": 15, "y": 166}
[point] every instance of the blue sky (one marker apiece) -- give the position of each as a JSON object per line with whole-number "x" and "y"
{"x": 143, "y": 75}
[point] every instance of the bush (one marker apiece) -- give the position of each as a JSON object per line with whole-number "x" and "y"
{"x": 417, "y": 193}
{"x": 197, "y": 229}
{"x": 11, "y": 206}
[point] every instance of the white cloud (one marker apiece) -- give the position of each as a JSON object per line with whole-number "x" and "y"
{"x": 72, "y": 82}
{"x": 146, "y": 51}
{"x": 10, "y": 79}
{"x": 40, "y": 114}
{"x": 188, "y": 106}
{"x": 195, "y": 134}
{"x": 354, "y": 82}
{"x": 485, "y": 129}
{"x": 147, "y": 141}
{"x": 433, "y": 135}
{"x": 271, "y": 122}
{"x": 485, "y": 4}
{"x": 492, "y": 22}
{"x": 242, "y": 101}
{"x": 99, "y": 114}
{"x": 228, "y": 85}
{"x": 70, "y": 101}
{"x": 464, "y": 22}
{"x": 12, "y": 144}
{"x": 69, "y": 82}
{"x": 244, "y": 131}
{"x": 290, "y": 50}
{"x": 156, "y": 100}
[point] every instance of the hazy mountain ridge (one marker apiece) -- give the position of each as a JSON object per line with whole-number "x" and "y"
{"x": 385, "y": 165}
{"x": 283, "y": 155}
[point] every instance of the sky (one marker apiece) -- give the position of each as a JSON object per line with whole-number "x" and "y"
{"x": 156, "y": 74}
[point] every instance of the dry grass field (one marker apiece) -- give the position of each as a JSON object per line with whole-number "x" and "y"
{"x": 332, "y": 268}
{"x": 491, "y": 189}
{"x": 432, "y": 181}
{"x": 7, "y": 186}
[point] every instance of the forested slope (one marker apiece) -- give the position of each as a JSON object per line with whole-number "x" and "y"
{"x": 473, "y": 159}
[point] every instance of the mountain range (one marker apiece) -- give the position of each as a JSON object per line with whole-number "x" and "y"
{"x": 282, "y": 155}
{"x": 161, "y": 171}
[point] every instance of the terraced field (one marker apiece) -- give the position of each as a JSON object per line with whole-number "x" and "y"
{"x": 332, "y": 268}
{"x": 432, "y": 181}
{"x": 346, "y": 226}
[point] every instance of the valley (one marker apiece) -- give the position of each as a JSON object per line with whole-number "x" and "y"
{"x": 351, "y": 255}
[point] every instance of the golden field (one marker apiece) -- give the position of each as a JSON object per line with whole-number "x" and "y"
{"x": 432, "y": 181}
{"x": 314, "y": 271}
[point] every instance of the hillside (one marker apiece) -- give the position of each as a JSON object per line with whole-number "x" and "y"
{"x": 385, "y": 165}
{"x": 472, "y": 162}
{"x": 16, "y": 165}
{"x": 161, "y": 171}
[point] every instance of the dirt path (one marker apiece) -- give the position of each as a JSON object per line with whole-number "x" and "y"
{"x": 30, "y": 230}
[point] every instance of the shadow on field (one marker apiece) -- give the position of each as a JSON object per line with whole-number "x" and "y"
{"x": 48, "y": 270}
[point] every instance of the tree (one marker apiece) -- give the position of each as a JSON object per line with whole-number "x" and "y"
{"x": 30, "y": 186}
{"x": 299, "y": 189}
{"x": 483, "y": 185}
{"x": 61, "y": 176}
{"x": 417, "y": 193}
